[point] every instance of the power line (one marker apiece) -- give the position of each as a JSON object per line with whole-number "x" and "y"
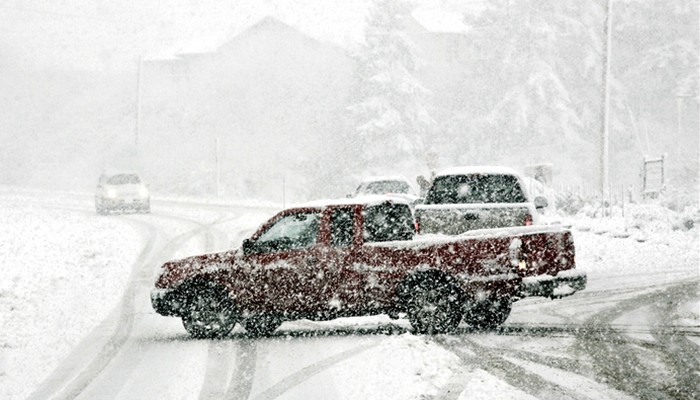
{"x": 58, "y": 14}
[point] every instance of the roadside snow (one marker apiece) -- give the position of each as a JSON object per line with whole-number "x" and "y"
{"x": 63, "y": 272}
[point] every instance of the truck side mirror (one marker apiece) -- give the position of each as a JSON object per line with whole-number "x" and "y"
{"x": 247, "y": 246}
{"x": 541, "y": 202}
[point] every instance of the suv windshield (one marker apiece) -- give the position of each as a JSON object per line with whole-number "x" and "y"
{"x": 124, "y": 179}
{"x": 382, "y": 187}
{"x": 470, "y": 189}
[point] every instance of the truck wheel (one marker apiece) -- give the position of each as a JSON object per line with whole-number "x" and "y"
{"x": 261, "y": 325}
{"x": 434, "y": 307}
{"x": 490, "y": 314}
{"x": 210, "y": 313}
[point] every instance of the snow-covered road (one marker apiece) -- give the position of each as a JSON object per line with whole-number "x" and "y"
{"x": 77, "y": 321}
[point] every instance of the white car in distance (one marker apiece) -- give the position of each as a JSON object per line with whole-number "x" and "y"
{"x": 122, "y": 192}
{"x": 387, "y": 185}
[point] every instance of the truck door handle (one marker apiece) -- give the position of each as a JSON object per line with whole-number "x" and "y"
{"x": 311, "y": 260}
{"x": 471, "y": 217}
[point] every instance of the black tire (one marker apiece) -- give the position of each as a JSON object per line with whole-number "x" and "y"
{"x": 210, "y": 313}
{"x": 261, "y": 325}
{"x": 99, "y": 208}
{"x": 434, "y": 307}
{"x": 489, "y": 314}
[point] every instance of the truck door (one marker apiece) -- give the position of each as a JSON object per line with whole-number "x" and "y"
{"x": 341, "y": 284}
{"x": 284, "y": 262}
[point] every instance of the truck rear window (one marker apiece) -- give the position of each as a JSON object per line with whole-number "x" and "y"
{"x": 474, "y": 189}
{"x": 388, "y": 222}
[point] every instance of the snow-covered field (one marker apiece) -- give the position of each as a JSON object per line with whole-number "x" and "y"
{"x": 65, "y": 269}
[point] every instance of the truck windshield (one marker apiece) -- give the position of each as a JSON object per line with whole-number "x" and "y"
{"x": 474, "y": 189}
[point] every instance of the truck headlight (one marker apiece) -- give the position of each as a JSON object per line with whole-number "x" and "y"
{"x": 143, "y": 192}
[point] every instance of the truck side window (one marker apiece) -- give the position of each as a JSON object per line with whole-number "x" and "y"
{"x": 388, "y": 222}
{"x": 342, "y": 223}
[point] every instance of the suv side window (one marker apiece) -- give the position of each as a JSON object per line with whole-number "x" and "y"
{"x": 291, "y": 232}
{"x": 342, "y": 227}
{"x": 388, "y": 222}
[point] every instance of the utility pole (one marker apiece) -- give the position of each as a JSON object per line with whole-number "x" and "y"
{"x": 218, "y": 167}
{"x": 605, "y": 134}
{"x": 138, "y": 108}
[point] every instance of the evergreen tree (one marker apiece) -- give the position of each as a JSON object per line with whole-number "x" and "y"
{"x": 392, "y": 117}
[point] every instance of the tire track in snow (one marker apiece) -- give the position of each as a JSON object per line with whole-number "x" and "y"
{"x": 241, "y": 380}
{"x": 620, "y": 365}
{"x": 682, "y": 355}
{"x": 243, "y": 374}
{"x": 92, "y": 356}
{"x": 309, "y": 371}
{"x": 74, "y": 374}
{"x": 491, "y": 361}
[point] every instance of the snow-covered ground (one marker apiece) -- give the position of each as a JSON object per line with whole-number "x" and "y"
{"x": 65, "y": 269}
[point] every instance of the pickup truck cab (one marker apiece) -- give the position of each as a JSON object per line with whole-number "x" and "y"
{"x": 350, "y": 257}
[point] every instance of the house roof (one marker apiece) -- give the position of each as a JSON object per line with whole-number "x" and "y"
{"x": 346, "y": 32}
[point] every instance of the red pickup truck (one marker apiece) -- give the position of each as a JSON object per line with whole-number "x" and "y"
{"x": 356, "y": 257}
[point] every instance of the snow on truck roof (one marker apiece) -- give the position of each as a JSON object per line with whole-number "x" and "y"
{"x": 366, "y": 200}
{"x": 470, "y": 170}
{"x": 382, "y": 178}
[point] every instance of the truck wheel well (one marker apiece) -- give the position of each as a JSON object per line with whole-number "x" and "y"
{"x": 187, "y": 290}
{"x": 405, "y": 289}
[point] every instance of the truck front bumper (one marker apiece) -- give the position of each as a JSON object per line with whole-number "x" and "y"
{"x": 166, "y": 302}
{"x": 565, "y": 283}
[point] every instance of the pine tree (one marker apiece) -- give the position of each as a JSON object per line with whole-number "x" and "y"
{"x": 392, "y": 117}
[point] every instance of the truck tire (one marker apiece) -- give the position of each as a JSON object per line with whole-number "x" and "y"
{"x": 490, "y": 314}
{"x": 434, "y": 307}
{"x": 209, "y": 312}
{"x": 262, "y": 324}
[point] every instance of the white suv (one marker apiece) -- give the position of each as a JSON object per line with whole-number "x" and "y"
{"x": 397, "y": 186}
{"x": 124, "y": 191}
{"x": 469, "y": 198}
